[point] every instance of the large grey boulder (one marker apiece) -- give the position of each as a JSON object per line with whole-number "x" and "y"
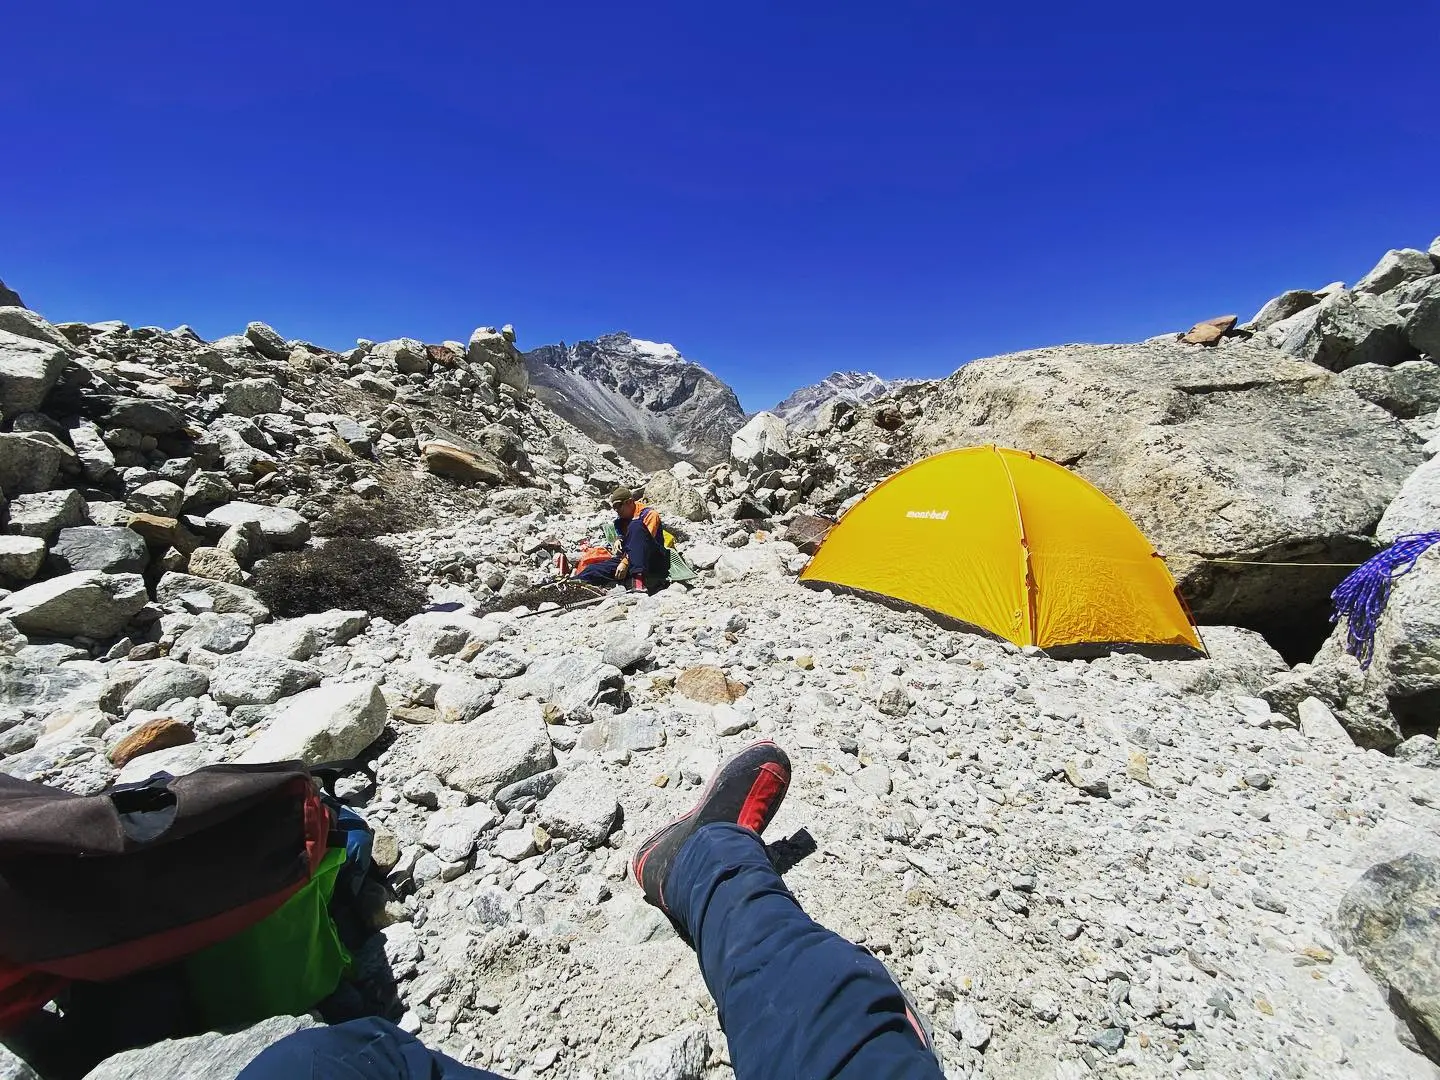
{"x": 210, "y": 1056}
{"x": 21, "y": 557}
{"x": 763, "y": 442}
{"x": 45, "y": 513}
{"x": 1396, "y": 267}
{"x": 204, "y": 595}
{"x": 97, "y": 460}
{"x": 146, "y": 415}
{"x": 582, "y": 808}
{"x": 1407, "y": 390}
{"x": 1346, "y": 329}
{"x": 328, "y": 723}
{"x": 266, "y": 341}
{"x": 253, "y": 397}
{"x": 405, "y": 355}
{"x": 675, "y": 497}
{"x": 29, "y": 369}
{"x": 1390, "y": 921}
{"x": 1239, "y": 452}
{"x": 282, "y": 528}
{"x": 248, "y": 678}
{"x": 493, "y": 347}
{"x": 31, "y": 461}
{"x": 87, "y": 603}
{"x": 1405, "y": 667}
{"x": 168, "y": 680}
{"x": 497, "y": 748}
{"x": 27, "y": 324}
{"x": 1282, "y": 307}
{"x": 1422, "y": 326}
{"x": 159, "y": 497}
{"x": 1417, "y": 506}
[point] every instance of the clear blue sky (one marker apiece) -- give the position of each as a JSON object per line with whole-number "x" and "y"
{"x": 780, "y": 190}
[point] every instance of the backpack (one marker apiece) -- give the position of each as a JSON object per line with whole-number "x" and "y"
{"x": 98, "y": 887}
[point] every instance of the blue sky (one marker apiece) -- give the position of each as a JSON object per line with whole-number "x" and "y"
{"x": 781, "y": 190}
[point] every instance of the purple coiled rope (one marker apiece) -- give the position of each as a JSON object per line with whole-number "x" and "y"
{"x": 1361, "y": 597}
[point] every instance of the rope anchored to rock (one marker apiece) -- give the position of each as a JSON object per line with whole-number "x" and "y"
{"x": 1362, "y": 596}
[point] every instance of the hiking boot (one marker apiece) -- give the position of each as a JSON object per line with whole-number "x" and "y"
{"x": 747, "y": 791}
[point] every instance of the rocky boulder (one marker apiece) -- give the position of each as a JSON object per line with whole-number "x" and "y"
{"x": 9, "y": 297}
{"x": 266, "y": 341}
{"x": 472, "y": 465}
{"x": 282, "y": 528}
{"x": 328, "y": 723}
{"x": 45, "y": 513}
{"x": 88, "y": 603}
{"x": 1395, "y": 268}
{"x": 499, "y": 747}
{"x": 21, "y": 557}
{"x": 1288, "y": 303}
{"x": 406, "y": 355}
{"x": 1239, "y": 452}
{"x": 763, "y": 442}
{"x": 252, "y": 397}
{"x": 211, "y": 1056}
{"x": 1390, "y": 920}
{"x": 1422, "y": 326}
{"x": 31, "y": 461}
{"x": 1346, "y": 329}
{"x": 1407, "y": 390}
{"x": 494, "y": 347}
{"x": 675, "y": 497}
{"x": 28, "y": 371}
{"x": 1416, "y": 508}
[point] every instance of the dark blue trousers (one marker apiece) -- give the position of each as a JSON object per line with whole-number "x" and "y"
{"x": 795, "y": 1000}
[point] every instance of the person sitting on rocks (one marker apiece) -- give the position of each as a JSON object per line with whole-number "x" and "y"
{"x": 643, "y": 561}
{"x": 794, "y": 999}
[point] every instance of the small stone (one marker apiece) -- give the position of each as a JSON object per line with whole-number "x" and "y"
{"x": 528, "y": 882}
{"x": 1268, "y": 902}
{"x": 967, "y": 1026}
{"x": 730, "y": 721}
{"x": 1110, "y": 1040}
{"x": 1045, "y": 1006}
{"x": 514, "y": 844}
{"x": 582, "y": 807}
{"x": 1258, "y": 779}
{"x": 874, "y": 780}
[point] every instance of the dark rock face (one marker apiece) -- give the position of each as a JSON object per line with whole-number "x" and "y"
{"x": 642, "y": 397}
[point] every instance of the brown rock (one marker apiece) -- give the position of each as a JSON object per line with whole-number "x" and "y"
{"x": 708, "y": 685}
{"x": 445, "y": 459}
{"x": 1210, "y": 331}
{"x": 159, "y": 532}
{"x": 158, "y": 734}
{"x": 807, "y": 531}
{"x": 217, "y": 565}
{"x": 888, "y": 419}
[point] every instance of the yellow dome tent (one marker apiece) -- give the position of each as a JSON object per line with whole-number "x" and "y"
{"x": 1014, "y": 545}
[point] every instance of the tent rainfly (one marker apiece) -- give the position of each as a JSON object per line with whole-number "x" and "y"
{"x": 1013, "y": 545}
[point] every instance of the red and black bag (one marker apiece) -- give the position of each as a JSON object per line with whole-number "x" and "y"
{"x": 97, "y": 887}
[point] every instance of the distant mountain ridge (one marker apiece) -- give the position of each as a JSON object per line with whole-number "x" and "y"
{"x": 642, "y": 397}
{"x": 801, "y": 407}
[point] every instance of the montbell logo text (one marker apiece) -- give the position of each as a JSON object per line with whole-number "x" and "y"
{"x": 929, "y": 515}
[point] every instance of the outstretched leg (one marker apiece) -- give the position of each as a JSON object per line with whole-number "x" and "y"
{"x": 795, "y": 999}
{"x": 369, "y": 1049}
